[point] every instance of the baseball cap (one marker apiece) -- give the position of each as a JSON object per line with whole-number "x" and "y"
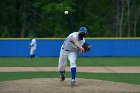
{"x": 83, "y": 29}
{"x": 32, "y": 36}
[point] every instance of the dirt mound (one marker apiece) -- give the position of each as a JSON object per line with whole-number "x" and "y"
{"x": 53, "y": 85}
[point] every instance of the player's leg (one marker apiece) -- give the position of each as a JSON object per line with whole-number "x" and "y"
{"x": 62, "y": 64}
{"x": 31, "y": 53}
{"x": 72, "y": 58}
{"x": 34, "y": 49}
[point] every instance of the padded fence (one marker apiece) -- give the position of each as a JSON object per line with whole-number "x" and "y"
{"x": 51, "y": 47}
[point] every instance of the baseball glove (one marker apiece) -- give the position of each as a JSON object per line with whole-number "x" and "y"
{"x": 87, "y": 47}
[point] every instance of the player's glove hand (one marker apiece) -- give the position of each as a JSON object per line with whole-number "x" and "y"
{"x": 87, "y": 47}
{"x": 30, "y": 45}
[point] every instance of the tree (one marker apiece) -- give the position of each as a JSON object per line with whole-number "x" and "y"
{"x": 46, "y": 18}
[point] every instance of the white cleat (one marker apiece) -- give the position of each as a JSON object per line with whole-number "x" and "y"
{"x": 73, "y": 83}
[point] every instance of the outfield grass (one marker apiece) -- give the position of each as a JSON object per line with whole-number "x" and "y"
{"x": 115, "y": 77}
{"x": 81, "y": 61}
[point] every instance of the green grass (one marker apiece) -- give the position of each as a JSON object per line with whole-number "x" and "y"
{"x": 81, "y": 61}
{"x": 109, "y": 61}
{"x": 25, "y": 62}
{"x": 115, "y": 77}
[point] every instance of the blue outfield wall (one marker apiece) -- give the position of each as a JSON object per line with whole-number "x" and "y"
{"x": 48, "y": 47}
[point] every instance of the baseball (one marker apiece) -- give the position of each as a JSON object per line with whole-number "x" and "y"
{"x": 66, "y": 12}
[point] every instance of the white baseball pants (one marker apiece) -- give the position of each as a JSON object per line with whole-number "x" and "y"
{"x": 32, "y": 51}
{"x": 64, "y": 55}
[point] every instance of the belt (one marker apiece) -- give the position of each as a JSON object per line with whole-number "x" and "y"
{"x": 64, "y": 49}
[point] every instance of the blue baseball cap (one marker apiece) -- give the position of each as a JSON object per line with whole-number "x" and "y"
{"x": 32, "y": 36}
{"x": 83, "y": 29}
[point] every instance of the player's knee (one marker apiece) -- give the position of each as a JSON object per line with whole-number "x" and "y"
{"x": 73, "y": 64}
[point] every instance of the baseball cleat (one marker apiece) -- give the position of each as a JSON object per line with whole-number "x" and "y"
{"x": 62, "y": 75}
{"x": 73, "y": 83}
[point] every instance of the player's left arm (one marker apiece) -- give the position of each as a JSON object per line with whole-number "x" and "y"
{"x": 87, "y": 47}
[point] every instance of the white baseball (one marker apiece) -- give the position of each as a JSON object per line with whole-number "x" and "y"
{"x": 66, "y": 12}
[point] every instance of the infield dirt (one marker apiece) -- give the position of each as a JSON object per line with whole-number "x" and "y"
{"x": 53, "y": 85}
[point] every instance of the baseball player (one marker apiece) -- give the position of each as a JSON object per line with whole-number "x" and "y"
{"x": 70, "y": 48}
{"x": 33, "y": 46}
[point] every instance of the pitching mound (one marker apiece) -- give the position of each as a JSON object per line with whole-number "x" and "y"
{"x": 47, "y": 85}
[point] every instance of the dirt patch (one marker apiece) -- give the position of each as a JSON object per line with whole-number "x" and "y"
{"x": 130, "y": 69}
{"x": 53, "y": 85}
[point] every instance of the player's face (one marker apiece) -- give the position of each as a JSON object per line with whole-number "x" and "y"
{"x": 81, "y": 35}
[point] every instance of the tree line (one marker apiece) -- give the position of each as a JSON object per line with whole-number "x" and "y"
{"x": 46, "y": 18}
